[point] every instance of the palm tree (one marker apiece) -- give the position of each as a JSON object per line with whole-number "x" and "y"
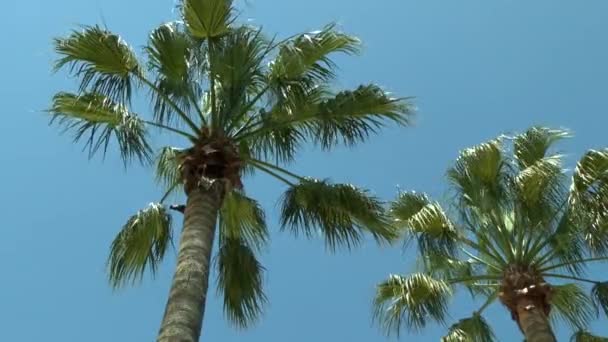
{"x": 240, "y": 103}
{"x": 517, "y": 234}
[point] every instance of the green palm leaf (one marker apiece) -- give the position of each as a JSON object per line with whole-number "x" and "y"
{"x": 571, "y": 304}
{"x": 478, "y": 176}
{"x": 588, "y": 197}
{"x": 170, "y": 57}
{"x": 238, "y": 69}
{"x": 207, "y": 18}
{"x": 410, "y": 302}
{"x": 168, "y": 172}
{"x": 342, "y": 212}
{"x": 101, "y": 59}
{"x": 308, "y": 56}
{"x": 599, "y": 296}
{"x": 240, "y": 280}
{"x": 472, "y": 329}
{"x": 97, "y": 119}
{"x": 243, "y": 218}
{"x": 349, "y": 117}
{"x": 584, "y": 336}
{"x": 534, "y": 144}
{"x": 426, "y": 221}
{"x": 140, "y": 245}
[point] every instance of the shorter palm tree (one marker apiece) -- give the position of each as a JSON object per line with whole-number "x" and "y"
{"x": 518, "y": 235}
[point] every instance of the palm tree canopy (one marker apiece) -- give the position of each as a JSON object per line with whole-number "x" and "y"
{"x": 242, "y": 103}
{"x": 518, "y": 219}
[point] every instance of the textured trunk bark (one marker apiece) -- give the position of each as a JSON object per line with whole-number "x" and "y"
{"x": 183, "y": 318}
{"x": 533, "y": 322}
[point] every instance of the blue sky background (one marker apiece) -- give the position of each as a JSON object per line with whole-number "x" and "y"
{"x": 478, "y": 69}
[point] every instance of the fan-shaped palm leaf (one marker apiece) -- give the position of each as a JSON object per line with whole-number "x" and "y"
{"x": 572, "y": 305}
{"x": 140, "y": 245}
{"x": 243, "y": 218}
{"x": 207, "y": 18}
{"x": 97, "y": 119}
{"x": 101, "y": 59}
{"x": 410, "y": 301}
{"x": 341, "y": 212}
{"x": 240, "y": 279}
{"x": 472, "y": 329}
{"x": 599, "y": 296}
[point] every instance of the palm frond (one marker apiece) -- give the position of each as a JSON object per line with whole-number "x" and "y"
{"x": 427, "y": 221}
{"x": 478, "y": 176}
{"x": 243, "y": 218}
{"x": 308, "y": 56}
{"x": 342, "y": 213}
{"x": 239, "y": 73}
{"x": 352, "y": 116}
{"x": 97, "y": 119}
{"x": 589, "y": 198}
{"x": 540, "y": 190}
{"x": 170, "y": 57}
{"x": 534, "y": 144}
{"x": 472, "y": 329}
{"x": 140, "y": 245}
{"x": 207, "y": 18}
{"x": 599, "y": 296}
{"x": 585, "y": 336}
{"x": 240, "y": 280}
{"x": 101, "y": 59}
{"x": 571, "y": 304}
{"x": 410, "y": 302}
{"x": 167, "y": 167}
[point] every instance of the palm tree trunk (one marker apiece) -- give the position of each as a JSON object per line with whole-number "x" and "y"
{"x": 533, "y": 322}
{"x": 183, "y": 318}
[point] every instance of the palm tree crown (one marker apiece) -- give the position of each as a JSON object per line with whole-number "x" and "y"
{"x": 242, "y": 104}
{"x": 516, "y": 225}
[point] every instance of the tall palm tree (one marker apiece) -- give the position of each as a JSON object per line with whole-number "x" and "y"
{"x": 517, "y": 234}
{"x": 240, "y": 103}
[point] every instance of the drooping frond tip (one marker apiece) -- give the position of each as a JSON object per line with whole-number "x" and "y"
{"x": 410, "y": 302}
{"x": 240, "y": 280}
{"x": 97, "y": 119}
{"x": 340, "y": 212}
{"x": 140, "y": 245}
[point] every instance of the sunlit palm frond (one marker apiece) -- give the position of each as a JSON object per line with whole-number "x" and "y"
{"x": 308, "y": 56}
{"x": 585, "y": 336}
{"x": 238, "y": 68}
{"x": 170, "y": 57}
{"x": 167, "y": 167}
{"x": 240, "y": 280}
{"x": 478, "y": 177}
{"x": 426, "y": 221}
{"x": 589, "y": 199}
{"x": 98, "y": 119}
{"x": 243, "y": 218}
{"x": 599, "y": 296}
{"x": 535, "y": 144}
{"x": 410, "y": 302}
{"x": 140, "y": 245}
{"x": 352, "y": 116}
{"x": 207, "y": 19}
{"x": 349, "y": 117}
{"x": 540, "y": 190}
{"x": 571, "y": 304}
{"x": 101, "y": 59}
{"x": 341, "y": 213}
{"x": 472, "y": 329}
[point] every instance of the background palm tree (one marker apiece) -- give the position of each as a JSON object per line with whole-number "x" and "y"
{"x": 518, "y": 234}
{"x": 241, "y": 103}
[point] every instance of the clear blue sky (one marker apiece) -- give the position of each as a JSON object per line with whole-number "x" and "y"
{"x": 478, "y": 68}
